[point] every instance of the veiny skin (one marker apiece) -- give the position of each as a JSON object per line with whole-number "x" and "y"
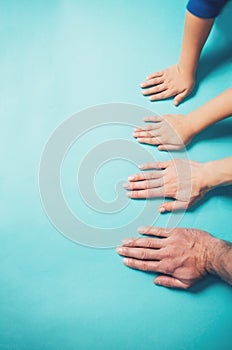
{"x": 181, "y": 256}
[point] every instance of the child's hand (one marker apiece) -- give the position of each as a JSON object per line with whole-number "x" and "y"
{"x": 170, "y": 132}
{"x": 173, "y": 81}
{"x": 184, "y": 180}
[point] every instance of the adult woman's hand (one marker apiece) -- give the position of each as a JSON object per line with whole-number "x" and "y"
{"x": 180, "y": 179}
{"x": 168, "y": 132}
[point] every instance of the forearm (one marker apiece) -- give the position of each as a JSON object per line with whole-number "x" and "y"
{"x": 219, "y": 259}
{"x": 218, "y": 173}
{"x": 211, "y": 112}
{"x": 196, "y": 32}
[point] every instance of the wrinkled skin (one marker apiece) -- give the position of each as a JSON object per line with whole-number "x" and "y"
{"x": 179, "y": 255}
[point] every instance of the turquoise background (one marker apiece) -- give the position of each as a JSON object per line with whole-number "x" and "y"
{"x": 58, "y": 57}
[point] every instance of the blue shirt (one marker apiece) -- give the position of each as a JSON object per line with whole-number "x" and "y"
{"x": 205, "y": 8}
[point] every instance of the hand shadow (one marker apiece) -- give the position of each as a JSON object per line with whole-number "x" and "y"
{"x": 207, "y": 282}
{"x": 220, "y": 130}
{"x": 221, "y": 54}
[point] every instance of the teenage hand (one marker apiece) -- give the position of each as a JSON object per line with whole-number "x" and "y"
{"x": 180, "y": 255}
{"x": 186, "y": 181}
{"x": 168, "y": 132}
{"x": 172, "y": 81}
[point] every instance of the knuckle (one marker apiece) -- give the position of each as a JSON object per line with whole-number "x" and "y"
{"x": 166, "y": 191}
{"x": 169, "y": 283}
{"x": 146, "y": 184}
{"x": 167, "y": 254}
{"x": 168, "y": 268}
{"x": 124, "y": 251}
{"x": 144, "y": 266}
{"x": 131, "y": 262}
{"x": 143, "y": 254}
{"x": 162, "y": 94}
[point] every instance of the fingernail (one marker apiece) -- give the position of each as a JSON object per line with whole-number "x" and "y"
{"x": 140, "y": 229}
{"x": 125, "y": 185}
{"x": 162, "y": 210}
{"x": 157, "y": 282}
{"x": 125, "y": 261}
{"x": 119, "y": 250}
{"x": 126, "y": 241}
{"x": 130, "y": 178}
{"x": 128, "y": 194}
{"x": 141, "y": 166}
{"x": 141, "y": 85}
{"x": 175, "y": 103}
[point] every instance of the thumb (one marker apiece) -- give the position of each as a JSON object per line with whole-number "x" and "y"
{"x": 170, "y": 282}
{"x": 178, "y": 98}
{"x": 169, "y": 147}
{"x": 171, "y": 206}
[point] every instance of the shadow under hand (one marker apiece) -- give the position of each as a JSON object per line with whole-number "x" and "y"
{"x": 220, "y": 130}
{"x": 201, "y": 285}
{"x": 205, "y": 283}
{"x": 225, "y": 192}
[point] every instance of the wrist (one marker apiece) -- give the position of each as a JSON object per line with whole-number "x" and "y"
{"x": 191, "y": 125}
{"x": 216, "y": 173}
{"x": 195, "y": 122}
{"x": 187, "y": 68}
{"x": 217, "y": 256}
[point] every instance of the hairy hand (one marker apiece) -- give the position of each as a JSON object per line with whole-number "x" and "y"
{"x": 180, "y": 179}
{"x": 180, "y": 255}
{"x": 168, "y": 132}
{"x": 172, "y": 81}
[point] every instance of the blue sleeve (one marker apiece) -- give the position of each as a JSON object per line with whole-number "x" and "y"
{"x": 205, "y": 8}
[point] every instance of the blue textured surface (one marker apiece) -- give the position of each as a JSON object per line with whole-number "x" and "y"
{"x": 58, "y": 57}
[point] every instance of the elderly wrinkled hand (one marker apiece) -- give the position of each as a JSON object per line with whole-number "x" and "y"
{"x": 181, "y": 256}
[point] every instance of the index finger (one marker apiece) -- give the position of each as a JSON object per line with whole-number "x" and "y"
{"x": 154, "y": 118}
{"x": 151, "y": 82}
{"x": 155, "y": 231}
{"x": 154, "y": 165}
{"x": 151, "y": 175}
{"x": 154, "y": 75}
{"x": 153, "y": 243}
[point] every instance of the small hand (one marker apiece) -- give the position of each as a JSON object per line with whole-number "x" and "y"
{"x": 170, "y": 132}
{"x": 172, "y": 81}
{"x": 180, "y": 179}
{"x": 180, "y": 255}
